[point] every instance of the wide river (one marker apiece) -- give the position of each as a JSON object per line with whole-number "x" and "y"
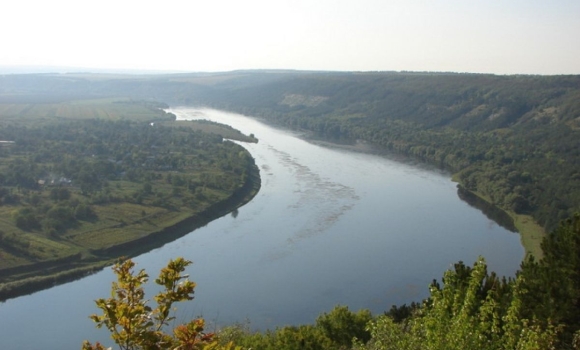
{"x": 329, "y": 226}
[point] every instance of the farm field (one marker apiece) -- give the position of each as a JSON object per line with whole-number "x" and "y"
{"x": 104, "y": 108}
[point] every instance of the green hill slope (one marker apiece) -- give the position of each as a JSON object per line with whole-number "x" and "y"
{"x": 513, "y": 140}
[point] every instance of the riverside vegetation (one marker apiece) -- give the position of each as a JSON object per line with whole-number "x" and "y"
{"x": 512, "y": 140}
{"x": 76, "y": 192}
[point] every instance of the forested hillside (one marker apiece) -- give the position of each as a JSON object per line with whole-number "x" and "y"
{"x": 514, "y": 140}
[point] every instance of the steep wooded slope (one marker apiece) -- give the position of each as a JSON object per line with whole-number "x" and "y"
{"x": 515, "y": 140}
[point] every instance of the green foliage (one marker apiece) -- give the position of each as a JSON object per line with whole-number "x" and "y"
{"x": 400, "y": 313}
{"x": 341, "y": 326}
{"x": 84, "y": 211}
{"x": 59, "y": 194}
{"x": 550, "y": 288}
{"x": 136, "y": 325}
{"x": 474, "y": 310}
{"x": 337, "y": 329}
{"x": 25, "y": 219}
{"x": 305, "y": 337}
{"x": 467, "y": 313}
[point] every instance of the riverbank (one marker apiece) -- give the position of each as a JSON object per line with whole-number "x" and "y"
{"x": 48, "y": 274}
{"x": 531, "y": 233}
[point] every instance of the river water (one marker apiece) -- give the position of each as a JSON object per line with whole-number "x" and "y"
{"x": 329, "y": 226}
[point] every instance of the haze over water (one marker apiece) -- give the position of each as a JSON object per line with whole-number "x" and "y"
{"x": 328, "y": 227}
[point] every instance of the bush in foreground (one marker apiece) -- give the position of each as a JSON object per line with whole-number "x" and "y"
{"x": 135, "y": 325}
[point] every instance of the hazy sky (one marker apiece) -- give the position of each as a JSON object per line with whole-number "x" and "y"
{"x": 487, "y": 36}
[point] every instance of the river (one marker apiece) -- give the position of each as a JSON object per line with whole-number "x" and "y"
{"x": 329, "y": 226}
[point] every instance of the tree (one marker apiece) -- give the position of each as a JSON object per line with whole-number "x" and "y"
{"x": 25, "y": 219}
{"x": 551, "y": 286}
{"x": 59, "y": 194}
{"x": 135, "y": 325}
{"x": 341, "y": 325}
{"x": 467, "y": 313}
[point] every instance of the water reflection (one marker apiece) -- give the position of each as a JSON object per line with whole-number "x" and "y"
{"x": 491, "y": 211}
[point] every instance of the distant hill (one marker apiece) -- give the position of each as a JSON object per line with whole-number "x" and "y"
{"x": 65, "y": 69}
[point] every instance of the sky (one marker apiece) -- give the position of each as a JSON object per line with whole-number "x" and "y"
{"x": 476, "y": 36}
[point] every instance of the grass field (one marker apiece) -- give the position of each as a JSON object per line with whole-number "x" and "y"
{"x": 109, "y": 108}
{"x": 532, "y": 234}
